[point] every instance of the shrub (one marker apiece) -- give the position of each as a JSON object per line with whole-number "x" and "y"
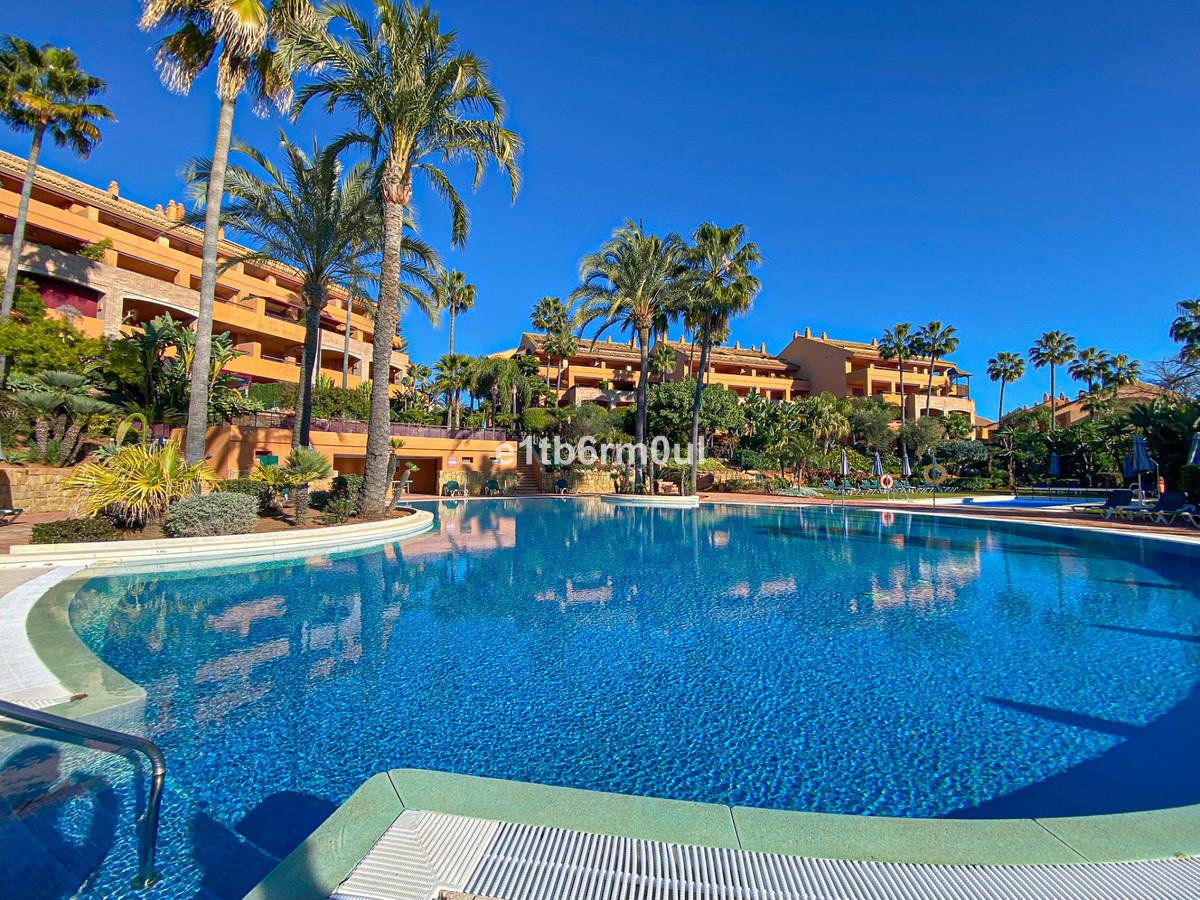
{"x": 1189, "y": 482}
{"x": 347, "y": 486}
{"x": 70, "y": 531}
{"x": 257, "y": 489}
{"x": 318, "y": 500}
{"x": 338, "y": 509}
{"x": 221, "y": 512}
{"x": 138, "y": 483}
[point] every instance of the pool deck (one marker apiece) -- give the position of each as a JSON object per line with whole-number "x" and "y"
{"x": 1151, "y": 853}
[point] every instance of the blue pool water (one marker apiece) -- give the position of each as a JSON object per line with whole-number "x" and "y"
{"x": 840, "y": 660}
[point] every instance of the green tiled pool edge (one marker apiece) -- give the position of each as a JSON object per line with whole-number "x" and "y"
{"x": 326, "y": 858}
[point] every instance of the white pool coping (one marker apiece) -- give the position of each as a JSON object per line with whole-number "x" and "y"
{"x": 24, "y": 678}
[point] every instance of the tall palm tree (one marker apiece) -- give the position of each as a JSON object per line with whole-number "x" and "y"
{"x": 662, "y": 361}
{"x": 897, "y": 343}
{"x": 1053, "y": 349}
{"x": 934, "y": 341}
{"x": 242, "y": 37}
{"x": 419, "y": 102}
{"x": 1119, "y": 370}
{"x": 560, "y": 345}
{"x": 455, "y": 294}
{"x": 719, "y": 288}
{"x": 1005, "y": 368}
{"x": 317, "y": 217}
{"x": 453, "y": 375}
{"x": 635, "y": 281}
{"x": 1186, "y": 329}
{"x": 43, "y": 91}
{"x": 1088, "y": 366}
{"x": 550, "y": 314}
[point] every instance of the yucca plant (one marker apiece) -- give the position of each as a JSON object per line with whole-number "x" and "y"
{"x": 138, "y": 483}
{"x": 303, "y": 466}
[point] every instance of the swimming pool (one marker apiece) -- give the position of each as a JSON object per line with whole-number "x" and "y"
{"x": 815, "y": 658}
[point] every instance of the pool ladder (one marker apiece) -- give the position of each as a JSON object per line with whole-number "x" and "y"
{"x": 147, "y": 875}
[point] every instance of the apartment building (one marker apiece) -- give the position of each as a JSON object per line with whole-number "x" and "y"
{"x": 606, "y": 371}
{"x": 856, "y": 369}
{"x": 153, "y": 268}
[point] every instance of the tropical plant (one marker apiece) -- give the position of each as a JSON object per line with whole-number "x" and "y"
{"x": 213, "y": 514}
{"x": 318, "y": 217}
{"x": 276, "y": 481}
{"x": 872, "y": 422}
{"x": 662, "y": 361}
{"x": 452, "y": 376}
{"x": 95, "y": 250}
{"x": 1088, "y": 367}
{"x": 1053, "y": 349}
{"x": 635, "y": 281}
{"x": 453, "y": 293}
{"x": 719, "y": 287}
{"x": 551, "y": 314}
{"x": 934, "y": 341}
{"x": 242, "y": 37}
{"x": 824, "y": 417}
{"x": 418, "y": 102}
{"x": 305, "y": 465}
{"x": 560, "y": 345}
{"x": 1168, "y": 425}
{"x": 43, "y": 91}
{"x": 1005, "y": 367}
{"x": 139, "y": 482}
{"x": 1185, "y": 330}
{"x": 62, "y": 405}
{"x": 897, "y": 344}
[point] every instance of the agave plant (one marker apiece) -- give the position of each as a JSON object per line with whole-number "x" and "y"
{"x": 138, "y": 483}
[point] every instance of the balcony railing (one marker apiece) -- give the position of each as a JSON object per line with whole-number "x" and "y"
{"x": 352, "y": 426}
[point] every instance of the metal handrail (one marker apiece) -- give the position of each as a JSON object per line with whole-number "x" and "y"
{"x": 147, "y": 875}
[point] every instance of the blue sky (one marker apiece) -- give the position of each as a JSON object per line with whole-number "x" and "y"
{"x": 1007, "y": 168}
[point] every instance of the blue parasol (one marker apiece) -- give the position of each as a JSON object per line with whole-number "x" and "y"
{"x": 1141, "y": 460}
{"x": 1193, "y": 457}
{"x": 905, "y": 466}
{"x": 1053, "y": 470}
{"x": 877, "y": 466}
{"x": 845, "y": 464}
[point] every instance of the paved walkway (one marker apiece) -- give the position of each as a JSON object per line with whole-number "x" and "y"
{"x": 425, "y": 853}
{"x": 19, "y": 531}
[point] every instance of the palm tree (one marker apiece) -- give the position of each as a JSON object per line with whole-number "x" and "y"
{"x": 662, "y": 361}
{"x": 897, "y": 343}
{"x": 560, "y": 345}
{"x": 634, "y": 281}
{"x": 318, "y": 218}
{"x": 550, "y": 314}
{"x": 240, "y": 35}
{"x": 43, "y": 91}
{"x": 935, "y": 341}
{"x": 1120, "y": 370}
{"x": 418, "y": 103}
{"x": 453, "y": 375}
{"x": 305, "y": 465}
{"x": 1186, "y": 329}
{"x": 719, "y": 288}
{"x": 1088, "y": 366}
{"x": 456, "y": 294}
{"x": 1053, "y": 349}
{"x": 1005, "y": 368}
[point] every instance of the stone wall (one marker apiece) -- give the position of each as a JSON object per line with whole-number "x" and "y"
{"x": 580, "y": 481}
{"x": 37, "y": 489}
{"x": 475, "y": 482}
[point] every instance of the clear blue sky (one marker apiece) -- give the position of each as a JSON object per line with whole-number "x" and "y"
{"x": 1007, "y": 168}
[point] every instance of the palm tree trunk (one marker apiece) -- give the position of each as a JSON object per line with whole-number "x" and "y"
{"x": 346, "y": 345}
{"x": 41, "y": 437}
{"x": 903, "y": 401}
{"x": 639, "y": 425}
{"x": 452, "y": 328}
{"x": 314, "y": 300}
{"x": 397, "y": 191}
{"x": 1000, "y": 411}
{"x": 300, "y": 495}
{"x": 1053, "y": 401}
{"x": 18, "y": 237}
{"x": 929, "y": 387}
{"x": 697, "y": 400}
{"x": 197, "y": 417}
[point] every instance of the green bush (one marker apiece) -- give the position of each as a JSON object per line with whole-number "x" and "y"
{"x": 245, "y": 486}
{"x": 338, "y": 509}
{"x": 221, "y": 512}
{"x": 347, "y": 486}
{"x": 70, "y": 531}
{"x": 318, "y": 500}
{"x": 1189, "y": 482}
{"x": 274, "y": 395}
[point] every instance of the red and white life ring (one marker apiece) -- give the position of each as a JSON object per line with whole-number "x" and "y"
{"x": 886, "y": 482}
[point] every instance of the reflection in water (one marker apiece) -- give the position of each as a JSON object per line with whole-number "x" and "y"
{"x": 820, "y": 659}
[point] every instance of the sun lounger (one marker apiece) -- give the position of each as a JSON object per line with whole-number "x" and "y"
{"x": 10, "y": 514}
{"x": 453, "y": 489}
{"x": 560, "y": 486}
{"x": 1166, "y": 509}
{"x": 1117, "y": 503}
{"x": 492, "y": 488}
